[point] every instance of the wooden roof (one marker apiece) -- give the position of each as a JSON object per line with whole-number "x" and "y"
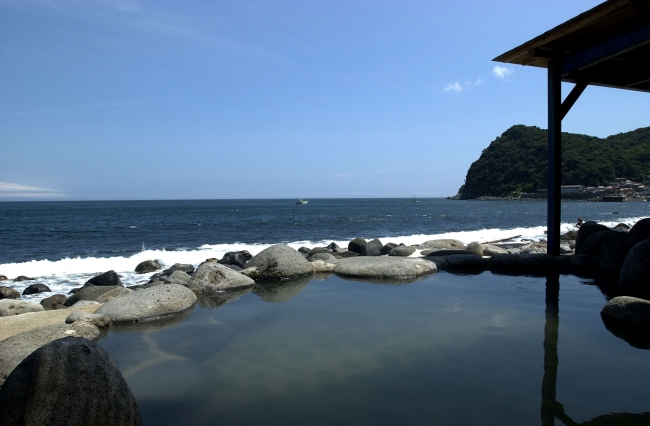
{"x": 608, "y": 45}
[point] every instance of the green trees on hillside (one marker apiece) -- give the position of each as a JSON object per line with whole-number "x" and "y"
{"x": 516, "y": 161}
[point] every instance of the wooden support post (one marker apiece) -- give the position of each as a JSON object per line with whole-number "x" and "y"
{"x": 554, "y": 157}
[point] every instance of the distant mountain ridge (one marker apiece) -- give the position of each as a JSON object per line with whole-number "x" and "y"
{"x": 516, "y": 161}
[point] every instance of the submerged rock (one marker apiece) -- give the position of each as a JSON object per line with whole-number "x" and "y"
{"x": 280, "y": 262}
{"x": 384, "y": 268}
{"x": 217, "y": 300}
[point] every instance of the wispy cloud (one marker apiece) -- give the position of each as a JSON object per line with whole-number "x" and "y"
{"x": 17, "y": 190}
{"x": 457, "y": 87}
{"x": 502, "y": 73}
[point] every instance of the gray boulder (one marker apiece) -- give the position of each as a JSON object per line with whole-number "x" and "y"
{"x": 98, "y": 320}
{"x": 9, "y": 307}
{"x": 251, "y": 272}
{"x": 36, "y": 289}
{"x": 147, "y": 266}
{"x": 349, "y": 254}
{"x": 113, "y": 294}
{"x": 109, "y": 278}
{"x": 628, "y": 309}
{"x": 211, "y": 277}
{"x": 403, "y": 251}
{"x": 491, "y": 250}
{"x": 569, "y": 236}
{"x": 317, "y": 250}
{"x": 384, "y": 268}
{"x": 635, "y": 271}
{"x": 178, "y": 277}
{"x": 585, "y": 231}
{"x": 447, "y": 244}
{"x": 356, "y": 245}
{"x": 8, "y": 293}
{"x": 17, "y": 347}
{"x": 3, "y": 278}
{"x": 475, "y": 248}
{"x": 71, "y": 381}
{"x": 372, "y": 248}
{"x": 151, "y": 303}
{"x": 325, "y": 257}
{"x": 82, "y": 303}
{"x": 54, "y": 302}
{"x": 88, "y": 292}
{"x": 387, "y": 248}
{"x": 280, "y": 262}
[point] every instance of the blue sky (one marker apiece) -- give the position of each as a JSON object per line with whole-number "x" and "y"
{"x": 270, "y": 99}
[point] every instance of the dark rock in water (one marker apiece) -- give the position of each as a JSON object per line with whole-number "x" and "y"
{"x": 372, "y": 248}
{"x": 304, "y": 250}
{"x": 614, "y": 250}
{"x": 443, "y": 252}
{"x": 158, "y": 277}
{"x": 635, "y": 271}
{"x": 71, "y": 381}
{"x": 441, "y": 262}
{"x": 89, "y": 292}
{"x": 641, "y": 229}
{"x": 594, "y": 243}
{"x": 335, "y": 248}
{"x": 4, "y": 277}
{"x": 8, "y": 293}
{"x": 238, "y": 258}
{"x": 280, "y": 262}
{"x": 357, "y": 245}
{"x": 403, "y": 251}
{"x": 387, "y": 248}
{"x": 109, "y": 278}
{"x": 20, "y": 278}
{"x": 35, "y": 289}
{"x": 349, "y": 254}
{"x": 570, "y": 235}
{"x": 628, "y": 309}
{"x": 147, "y": 266}
{"x": 466, "y": 262}
{"x": 585, "y": 231}
{"x": 54, "y": 302}
{"x": 185, "y": 267}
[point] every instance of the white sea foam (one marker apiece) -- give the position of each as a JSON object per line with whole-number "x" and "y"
{"x": 65, "y": 274}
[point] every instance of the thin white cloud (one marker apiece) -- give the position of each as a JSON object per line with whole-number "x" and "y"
{"x": 17, "y": 190}
{"x": 502, "y": 73}
{"x": 458, "y": 88}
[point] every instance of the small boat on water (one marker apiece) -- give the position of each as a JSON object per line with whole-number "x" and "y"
{"x": 415, "y": 200}
{"x": 301, "y": 201}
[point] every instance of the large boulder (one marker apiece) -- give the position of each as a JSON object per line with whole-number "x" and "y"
{"x": 280, "y": 262}
{"x": 387, "y": 248}
{"x": 71, "y": 381}
{"x": 592, "y": 245}
{"x": 113, "y": 294}
{"x": 36, "y": 289}
{"x": 635, "y": 271}
{"x": 325, "y": 257}
{"x": 17, "y": 347}
{"x": 178, "y": 277}
{"x": 152, "y": 303}
{"x": 109, "y": 278}
{"x": 491, "y": 250}
{"x": 446, "y": 244}
{"x": 475, "y": 248}
{"x": 238, "y": 258}
{"x": 9, "y": 307}
{"x": 402, "y": 251}
{"x": 88, "y": 292}
{"x": 628, "y": 309}
{"x": 98, "y": 320}
{"x": 147, "y": 266}
{"x": 56, "y": 301}
{"x": 8, "y": 293}
{"x": 585, "y": 231}
{"x": 211, "y": 277}
{"x": 614, "y": 250}
{"x": 372, "y": 248}
{"x": 641, "y": 229}
{"x": 356, "y": 245}
{"x": 4, "y": 277}
{"x": 384, "y": 268}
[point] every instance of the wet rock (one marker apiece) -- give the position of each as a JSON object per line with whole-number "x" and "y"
{"x": 8, "y": 293}
{"x": 628, "y": 309}
{"x": 372, "y": 248}
{"x": 446, "y": 244}
{"x": 147, "y": 266}
{"x": 356, "y": 245}
{"x": 17, "y": 347}
{"x": 569, "y": 236}
{"x": 403, "y": 251}
{"x": 109, "y": 278}
{"x": 635, "y": 271}
{"x": 281, "y": 291}
{"x": 20, "y": 278}
{"x": 88, "y": 292}
{"x": 475, "y": 248}
{"x": 212, "y": 277}
{"x": 641, "y": 229}
{"x": 466, "y": 262}
{"x": 614, "y": 250}
{"x": 113, "y": 294}
{"x": 280, "y": 262}
{"x": 178, "y": 277}
{"x": 305, "y": 250}
{"x": 325, "y": 257}
{"x": 148, "y": 304}
{"x": 491, "y": 250}
{"x": 36, "y": 289}
{"x": 9, "y": 307}
{"x": 387, "y": 248}
{"x": 238, "y": 258}
{"x": 586, "y": 230}
{"x": 71, "y": 381}
{"x": 384, "y": 268}
{"x": 54, "y": 302}
{"x": 98, "y": 320}
{"x": 3, "y": 278}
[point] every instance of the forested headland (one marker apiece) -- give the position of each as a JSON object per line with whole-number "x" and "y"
{"x": 516, "y": 161}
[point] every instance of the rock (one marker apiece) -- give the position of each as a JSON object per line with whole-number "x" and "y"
{"x": 628, "y": 309}
{"x": 372, "y": 248}
{"x": 592, "y": 245}
{"x": 384, "y": 268}
{"x": 641, "y": 229}
{"x": 335, "y": 248}
{"x": 403, "y": 251}
{"x": 9, "y": 307}
{"x": 147, "y": 266}
{"x": 17, "y": 347}
{"x": 317, "y": 250}
{"x": 325, "y": 257}
{"x": 304, "y": 250}
{"x": 3, "y": 278}
{"x": 635, "y": 271}
{"x": 178, "y": 277}
{"x": 251, "y": 272}
{"x": 211, "y": 277}
{"x": 614, "y": 250}
{"x": 88, "y": 292}
{"x": 152, "y": 303}
{"x": 35, "y": 289}
{"x": 387, "y": 248}
{"x": 185, "y": 267}
{"x": 441, "y": 262}
{"x": 447, "y": 244}
{"x": 144, "y": 286}
{"x": 475, "y": 248}
{"x": 83, "y": 303}
{"x": 622, "y": 227}
{"x": 349, "y": 254}
{"x": 322, "y": 266}
{"x": 491, "y": 250}
{"x": 238, "y": 258}
{"x": 466, "y": 261}
{"x": 20, "y": 278}
{"x": 356, "y": 245}
{"x": 113, "y": 294}
{"x": 281, "y": 291}
{"x": 109, "y": 278}
{"x": 443, "y": 252}
{"x": 98, "y": 320}
{"x": 56, "y": 301}
{"x": 569, "y": 236}
{"x": 71, "y": 381}
{"x": 529, "y": 263}
{"x": 565, "y": 249}
{"x": 8, "y": 293}
{"x": 280, "y": 262}
{"x": 585, "y": 231}
{"x": 584, "y": 262}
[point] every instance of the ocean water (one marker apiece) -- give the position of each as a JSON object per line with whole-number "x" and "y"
{"x": 63, "y": 244}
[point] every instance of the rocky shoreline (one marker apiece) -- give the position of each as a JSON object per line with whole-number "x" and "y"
{"x": 66, "y": 324}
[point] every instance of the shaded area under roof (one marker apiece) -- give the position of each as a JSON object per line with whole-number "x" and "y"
{"x": 608, "y": 45}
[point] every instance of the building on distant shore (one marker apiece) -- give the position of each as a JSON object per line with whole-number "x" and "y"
{"x": 572, "y": 189}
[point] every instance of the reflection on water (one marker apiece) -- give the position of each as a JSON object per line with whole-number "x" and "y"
{"x": 449, "y": 349}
